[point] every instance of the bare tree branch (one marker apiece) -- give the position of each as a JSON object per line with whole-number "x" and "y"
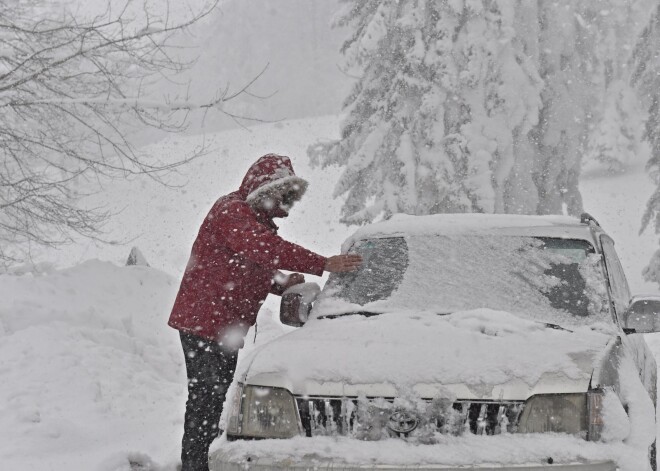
{"x": 70, "y": 90}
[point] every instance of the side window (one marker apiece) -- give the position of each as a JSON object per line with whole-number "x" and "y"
{"x": 620, "y": 290}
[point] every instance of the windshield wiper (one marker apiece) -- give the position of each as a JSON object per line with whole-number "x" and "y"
{"x": 555, "y": 326}
{"x": 356, "y": 313}
{"x": 370, "y": 314}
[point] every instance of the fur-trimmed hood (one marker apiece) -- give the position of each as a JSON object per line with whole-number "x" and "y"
{"x": 273, "y": 174}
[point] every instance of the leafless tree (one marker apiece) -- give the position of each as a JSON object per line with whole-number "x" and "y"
{"x": 70, "y": 89}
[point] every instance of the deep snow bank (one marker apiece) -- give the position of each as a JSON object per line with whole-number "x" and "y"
{"x": 91, "y": 376}
{"x": 89, "y": 368}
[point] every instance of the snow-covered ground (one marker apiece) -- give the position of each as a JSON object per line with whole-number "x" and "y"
{"x": 92, "y": 378}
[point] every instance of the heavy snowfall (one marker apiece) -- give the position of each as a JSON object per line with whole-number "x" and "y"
{"x": 414, "y": 107}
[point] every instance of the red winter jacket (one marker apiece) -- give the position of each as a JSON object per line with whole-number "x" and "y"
{"x": 236, "y": 256}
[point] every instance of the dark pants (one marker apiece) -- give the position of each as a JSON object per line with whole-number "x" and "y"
{"x": 210, "y": 371}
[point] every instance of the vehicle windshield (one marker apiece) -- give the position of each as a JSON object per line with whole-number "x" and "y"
{"x": 551, "y": 280}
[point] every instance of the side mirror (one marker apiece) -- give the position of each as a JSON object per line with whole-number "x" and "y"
{"x": 643, "y": 315}
{"x": 297, "y": 303}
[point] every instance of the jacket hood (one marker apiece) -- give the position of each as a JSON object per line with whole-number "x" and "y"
{"x": 273, "y": 174}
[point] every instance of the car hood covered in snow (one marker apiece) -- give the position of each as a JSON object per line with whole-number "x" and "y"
{"x": 478, "y": 354}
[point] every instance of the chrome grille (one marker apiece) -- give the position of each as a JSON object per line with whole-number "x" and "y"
{"x": 367, "y": 418}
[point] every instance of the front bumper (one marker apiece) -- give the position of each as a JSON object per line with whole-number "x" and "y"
{"x": 510, "y": 452}
{"x": 220, "y": 461}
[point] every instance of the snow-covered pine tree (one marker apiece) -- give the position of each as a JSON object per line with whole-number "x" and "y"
{"x": 434, "y": 123}
{"x": 468, "y": 105}
{"x": 646, "y": 78}
{"x": 615, "y": 141}
{"x": 564, "y": 62}
{"x": 500, "y": 90}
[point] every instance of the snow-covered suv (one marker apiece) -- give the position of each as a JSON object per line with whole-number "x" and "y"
{"x": 464, "y": 342}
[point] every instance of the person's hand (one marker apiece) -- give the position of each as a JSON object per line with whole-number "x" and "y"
{"x": 292, "y": 280}
{"x": 343, "y": 263}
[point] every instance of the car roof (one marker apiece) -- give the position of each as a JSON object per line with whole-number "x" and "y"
{"x": 564, "y": 227}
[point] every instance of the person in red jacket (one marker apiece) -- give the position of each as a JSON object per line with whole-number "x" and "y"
{"x": 234, "y": 265}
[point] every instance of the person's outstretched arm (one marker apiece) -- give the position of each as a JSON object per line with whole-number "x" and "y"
{"x": 242, "y": 233}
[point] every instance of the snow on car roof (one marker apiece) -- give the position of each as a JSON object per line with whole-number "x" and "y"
{"x": 453, "y": 224}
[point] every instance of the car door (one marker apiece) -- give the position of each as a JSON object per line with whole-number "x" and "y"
{"x": 620, "y": 293}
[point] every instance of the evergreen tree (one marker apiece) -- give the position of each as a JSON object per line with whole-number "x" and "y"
{"x": 433, "y": 124}
{"x": 467, "y": 106}
{"x": 565, "y": 62}
{"x": 615, "y": 141}
{"x": 646, "y": 78}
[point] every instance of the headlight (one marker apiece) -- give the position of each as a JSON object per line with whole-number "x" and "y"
{"x": 577, "y": 414}
{"x": 263, "y": 412}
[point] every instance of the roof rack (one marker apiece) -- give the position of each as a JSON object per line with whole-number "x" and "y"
{"x": 586, "y": 218}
